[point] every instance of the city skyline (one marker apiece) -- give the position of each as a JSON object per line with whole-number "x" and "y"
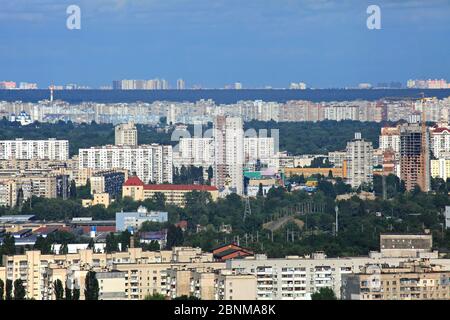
{"x": 222, "y": 42}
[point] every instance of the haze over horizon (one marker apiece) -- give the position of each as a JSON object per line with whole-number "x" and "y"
{"x": 324, "y": 43}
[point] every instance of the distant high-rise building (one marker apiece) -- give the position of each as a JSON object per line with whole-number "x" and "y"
{"x": 126, "y": 134}
{"x": 229, "y": 153}
{"x": 28, "y": 86}
{"x": 181, "y": 85}
{"x": 359, "y": 162}
{"x": 414, "y": 158}
{"x": 238, "y": 86}
{"x": 7, "y": 85}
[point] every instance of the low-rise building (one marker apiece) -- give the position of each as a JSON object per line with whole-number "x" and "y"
{"x": 134, "y": 220}
{"x": 173, "y": 194}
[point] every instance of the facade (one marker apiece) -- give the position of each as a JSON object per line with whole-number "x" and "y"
{"x": 148, "y": 162}
{"x": 229, "y": 153}
{"x": 440, "y": 141}
{"x": 197, "y": 152}
{"x": 108, "y": 182}
{"x": 145, "y": 272}
{"x": 174, "y": 194}
{"x": 126, "y": 135}
{"x": 20, "y": 149}
{"x": 390, "y": 139}
{"x": 414, "y": 157}
{"x": 440, "y": 168}
{"x": 134, "y": 220}
{"x": 359, "y": 162}
{"x": 412, "y": 280}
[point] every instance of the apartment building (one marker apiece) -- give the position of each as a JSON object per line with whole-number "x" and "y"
{"x": 148, "y": 162}
{"x": 174, "y": 194}
{"x": 440, "y": 168}
{"x": 440, "y": 141}
{"x": 296, "y": 278}
{"x": 411, "y": 280}
{"x": 414, "y": 157}
{"x": 125, "y": 134}
{"x": 144, "y": 271}
{"x": 109, "y": 181}
{"x": 359, "y": 162}
{"x": 20, "y": 149}
{"x": 229, "y": 153}
{"x": 390, "y": 139}
{"x": 197, "y": 152}
{"x": 211, "y": 284}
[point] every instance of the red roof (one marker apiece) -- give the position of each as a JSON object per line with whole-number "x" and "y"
{"x": 439, "y": 130}
{"x": 133, "y": 181}
{"x": 178, "y": 187}
{"x": 87, "y": 229}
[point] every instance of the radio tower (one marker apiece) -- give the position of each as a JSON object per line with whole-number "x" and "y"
{"x": 248, "y": 209}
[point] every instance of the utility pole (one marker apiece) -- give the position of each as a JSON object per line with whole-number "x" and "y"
{"x": 248, "y": 209}
{"x": 336, "y": 209}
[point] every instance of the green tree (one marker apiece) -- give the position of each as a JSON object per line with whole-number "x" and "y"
{"x": 59, "y": 289}
{"x": 155, "y": 296}
{"x": 19, "y": 290}
{"x": 2, "y": 289}
{"x": 260, "y": 190}
{"x": 112, "y": 244}
{"x": 174, "y": 237}
{"x": 8, "y": 289}
{"x": 324, "y": 294}
{"x": 43, "y": 245}
{"x": 76, "y": 294}
{"x": 73, "y": 190}
{"x": 91, "y": 286}
{"x": 9, "y": 245}
{"x": 68, "y": 293}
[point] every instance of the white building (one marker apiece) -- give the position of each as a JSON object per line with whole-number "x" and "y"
{"x": 197, "y": 152}
{"x": 148, "y": 162}
{"x": 359, "y": 162}
{"x": 259, "y": 148}
{"x": 126, "y": 134}
{"x": 20, "y": 149}
{"x": 390, "y": 139}
{"x": 440, "y": 141}
{"x": 229, "y": 153}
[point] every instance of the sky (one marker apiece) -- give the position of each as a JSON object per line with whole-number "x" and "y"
{"x": 325, "y": 43}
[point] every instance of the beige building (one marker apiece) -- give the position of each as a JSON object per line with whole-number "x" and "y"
{"x": 174, "y": 194}
{"x": 440, "y": 168}
{"x": 99, "y": 199}
{"x": 411, "y": 280}
{"x": 144, "y": 272}
{"x": 126, "y": 134}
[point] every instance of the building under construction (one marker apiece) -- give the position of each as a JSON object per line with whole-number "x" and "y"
{"x": 415, "y": 156}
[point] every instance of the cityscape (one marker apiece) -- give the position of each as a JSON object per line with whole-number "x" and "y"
{"x": 246, "y": 156}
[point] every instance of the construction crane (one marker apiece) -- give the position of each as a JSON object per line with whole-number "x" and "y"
{"x": 424, "y": 143}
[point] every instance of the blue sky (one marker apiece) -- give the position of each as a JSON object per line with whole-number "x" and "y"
{"x": 214, "y": 42}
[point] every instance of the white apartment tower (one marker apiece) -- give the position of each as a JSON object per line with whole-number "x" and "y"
{"x": 229, "y": 153}
{"x": 126, "y": 134}
{"x": 151, "y": 163}
{"x": 20, "y": 149}
{"x": 359, "y": 162}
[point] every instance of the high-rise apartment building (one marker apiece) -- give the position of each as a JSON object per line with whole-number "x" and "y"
{"x": 149, "y": 162}
{"x": 126, "y": 134}
{"x": 181, "y": 84}
{"x": 229, "y": 153}
{"x": 20, "y": 149}
{"x": 414, "y": 157}
{"x": 359, "y": 162}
